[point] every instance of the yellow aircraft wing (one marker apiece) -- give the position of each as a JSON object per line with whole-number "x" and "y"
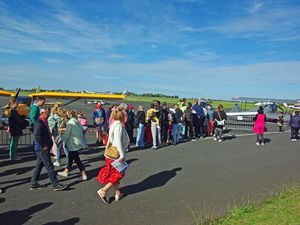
{"x": 76, "y": 95}
{"x": 7, "y": 93}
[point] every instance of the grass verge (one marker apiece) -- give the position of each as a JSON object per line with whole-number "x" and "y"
{"x": 282, "y": 209}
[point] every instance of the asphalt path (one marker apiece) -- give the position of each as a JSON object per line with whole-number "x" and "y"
{"x": 161, "y": 187}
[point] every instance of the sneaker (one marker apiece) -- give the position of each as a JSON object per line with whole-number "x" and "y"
{"x": 63, "y": 174}
{"x": 262, "y": 143}
{"x": 257, "y": 143}
{"x": 103, "y": 197}
{"x": 194, "y": 139}
{"x": 201, "y": 138}
{"x": 220, "y": 140}
{"x": 37, "y": 186}
{"x": 1, "y": 191}
{"x": 154, "y": 147}
{"x": 56, "y": 163}
{"x": 118, "y": 197}
{"x": 84, "y": 177}
{"x": 294, "y": 139}
{"x": 215, "y": 139}
{"x": 60, "y": 187}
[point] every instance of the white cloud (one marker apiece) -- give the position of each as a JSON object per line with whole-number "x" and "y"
{"x": 170, "y": 77}
{"x": 274, "y": 24}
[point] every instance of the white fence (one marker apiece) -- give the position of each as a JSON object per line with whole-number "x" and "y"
{"x": 240, "y": 120}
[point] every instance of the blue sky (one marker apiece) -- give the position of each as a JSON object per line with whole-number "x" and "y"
{"x": 190, "y": 48}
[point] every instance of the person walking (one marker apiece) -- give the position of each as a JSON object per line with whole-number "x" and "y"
{"x": 53, "y": 126}
{"x": 295, "y": 125}
{"x": 84, "y": 123}
{"x": 74, "y": 142}
{"x": 34, "y": 112}
{"x": 42, "y": 145}
{"x": 140, "y": 124}
{"x": 177, "y": 123}
{"x": 99, "y": 122}
{"x": 16, "y": 124}
{"x": 108, "y": 175}
{"x": 219, "y": 117}
{"x": 260, "y": 126}
{"x": 62, "y": 125}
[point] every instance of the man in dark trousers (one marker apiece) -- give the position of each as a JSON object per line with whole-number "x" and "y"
{"x": 164, "y": 123}
{"x": 42, "y": 145}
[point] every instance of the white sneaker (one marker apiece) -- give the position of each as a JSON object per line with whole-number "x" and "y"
{"x": 294, "y": 139}
{"x": 220, "y": 140}
{"x": 56, "y": 163}
{"x": 63, "y": 174}
{"x": 83, "y": 177}
{"x": 215, "y": 139}
{"x": 262, "y": 143}
{"x": 257, "y": 143}
{"x": 194, "y": 139}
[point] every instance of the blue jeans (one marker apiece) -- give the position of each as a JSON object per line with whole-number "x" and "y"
{"x": 43, "y": 159}
{"x": 140, "y": 135}
{"x": 62, "y": 145}
{"x": 176, "y": 132}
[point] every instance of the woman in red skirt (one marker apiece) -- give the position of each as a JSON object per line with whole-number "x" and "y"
{"x": 108, "y": 175}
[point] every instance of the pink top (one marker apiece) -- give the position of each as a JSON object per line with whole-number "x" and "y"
{"x": 259, "y": 124}
{"x": 83, "y": 121}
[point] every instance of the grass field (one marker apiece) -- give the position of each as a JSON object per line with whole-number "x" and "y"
{"x": 283, "y": 209}
{"x": 226, "y": 104}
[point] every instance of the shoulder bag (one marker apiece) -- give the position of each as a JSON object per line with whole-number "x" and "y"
{"x": 111, "y": 151}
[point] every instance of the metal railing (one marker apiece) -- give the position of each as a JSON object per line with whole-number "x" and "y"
{"x": 240, "y": 120}
{"x": 25, "y": 139}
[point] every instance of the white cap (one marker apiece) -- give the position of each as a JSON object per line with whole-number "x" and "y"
{"x": 42, "y": 110}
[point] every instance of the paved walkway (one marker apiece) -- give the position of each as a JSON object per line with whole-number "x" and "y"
{"x": 162, "y": 187}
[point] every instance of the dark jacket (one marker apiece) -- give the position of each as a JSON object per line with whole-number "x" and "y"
{"x": 164, "y": 119}
{"x": 188, "y": 115}
{"x": 140, "y": 118}
{"x": 199, "y": 110}
{"x": 130, "y": 120}
{"x": 177, "y": 116}
{"x": 16, "y": 123}
{"x": 295, "y": 121}
{"x": 41, "y": 136}
{"x": 219, "y": 116}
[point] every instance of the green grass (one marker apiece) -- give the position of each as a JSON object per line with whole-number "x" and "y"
{"x": 226, "y": 104}
{"x": 283, "y": 209}
{"x": 230, "y": 104}
{"x": 151, "y": 99}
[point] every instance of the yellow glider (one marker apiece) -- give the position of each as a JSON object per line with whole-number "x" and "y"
{"x": 25, "y": 101}
{"x": 76, "y": 95}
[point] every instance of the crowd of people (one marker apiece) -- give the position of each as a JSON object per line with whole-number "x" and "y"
{"x": 159, "y": 125}
{"x": 59, "y": 131}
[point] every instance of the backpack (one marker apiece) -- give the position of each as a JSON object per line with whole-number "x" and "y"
{"x": 99, "y": 117}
